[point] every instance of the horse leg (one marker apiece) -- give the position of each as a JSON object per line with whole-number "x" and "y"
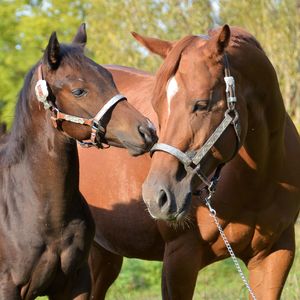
{"x": 267, "y": 276}
{"x": 8, "y": 290}
{"x": 105, "y": 268}
{"x": 164, "y": 285}
{"x": 181, "y": 265}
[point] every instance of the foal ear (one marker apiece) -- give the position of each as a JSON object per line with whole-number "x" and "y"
{"x": 51, "y": 56}
{"x": 157, "y": 46}
{"x": 223, "y": 39}
{"x": 80, "y": 38}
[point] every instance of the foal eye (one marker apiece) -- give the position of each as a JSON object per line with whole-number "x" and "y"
{"x": 200, "y": 105}
{"x": 79, "y": 92}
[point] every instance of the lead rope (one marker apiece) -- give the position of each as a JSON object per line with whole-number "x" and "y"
{"x": 213, "y": 214}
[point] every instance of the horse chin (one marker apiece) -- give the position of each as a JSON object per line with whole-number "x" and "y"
{"x": 135, "y": 150}
{"x": 184, "y": 212}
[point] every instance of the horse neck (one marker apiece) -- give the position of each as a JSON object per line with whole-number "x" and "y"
{"x": 264, "y": 141}
{"x": 138, "y": 86}
{"x": 47, "y": 165}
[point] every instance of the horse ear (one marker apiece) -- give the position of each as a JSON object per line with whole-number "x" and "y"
{"x": 223, "y": 39}
{"x": 52, "y": 51}
{"x": 80, "y": 37}
{"x": 157, "y": 46}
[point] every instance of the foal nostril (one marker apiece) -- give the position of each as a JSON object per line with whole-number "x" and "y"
{"x": 148, "y": 135}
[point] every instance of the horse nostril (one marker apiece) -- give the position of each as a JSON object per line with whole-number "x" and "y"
{"x": 162, "y": 199}
{"x": 148, "y": 135}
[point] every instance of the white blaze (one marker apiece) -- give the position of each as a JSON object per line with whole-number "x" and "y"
{"x": 172, "y": 88}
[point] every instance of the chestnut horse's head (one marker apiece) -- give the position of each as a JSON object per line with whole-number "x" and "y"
{"x": 84, "y": 101}
{"x": 199, "y": 119}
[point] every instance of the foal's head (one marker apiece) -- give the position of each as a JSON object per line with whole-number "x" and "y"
{"x": 191, "y": 102}
{"x": 84, "y": 101}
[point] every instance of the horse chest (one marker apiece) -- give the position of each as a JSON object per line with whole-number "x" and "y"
{"x": 238, "y": 231}
{"x": 74, "y": 245}
{"x": 58, "y": 258}
{"x": 270, "y": 224}
{"x": 259, "y": 230}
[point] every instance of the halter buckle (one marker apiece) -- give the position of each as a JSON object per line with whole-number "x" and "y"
{"x": 230, "y": 84}
{"x": 97, "y": 127}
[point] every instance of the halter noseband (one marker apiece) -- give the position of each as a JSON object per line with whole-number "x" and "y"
{"x": 97, "y": 127}
{"x": 191, "y": 159}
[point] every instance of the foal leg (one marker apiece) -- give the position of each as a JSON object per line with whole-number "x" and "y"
{"x": 267, "y": 277}
{"x": 82, "y": 284}
{"x": 77, "y": 287}
{"x": 8, "y": 290}
{"x": 105, "y": 268}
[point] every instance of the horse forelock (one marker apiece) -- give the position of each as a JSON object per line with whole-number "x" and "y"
{"x": 72, "y": 55}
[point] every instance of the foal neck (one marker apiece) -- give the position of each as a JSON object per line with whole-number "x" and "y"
{"x": 38, "y": 156}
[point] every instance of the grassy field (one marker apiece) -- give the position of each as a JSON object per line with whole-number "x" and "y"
{"x": 140, "y": 280}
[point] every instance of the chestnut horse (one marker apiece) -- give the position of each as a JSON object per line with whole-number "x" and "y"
{"x": 205, "y": 121}
{"x": 46, "y": 227}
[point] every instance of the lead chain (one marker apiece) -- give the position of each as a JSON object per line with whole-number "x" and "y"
{"x": 228, "y": 246}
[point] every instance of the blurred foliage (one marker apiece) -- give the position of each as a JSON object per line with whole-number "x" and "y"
{"x": 276, "y": 25}
{"x": 27, "y": 24}
{"x": 110, "y": 24}
{"x": 25, "y": 29}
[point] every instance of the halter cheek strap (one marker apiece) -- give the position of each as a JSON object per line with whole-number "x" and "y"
{"x": 97, "y": 127}
{"x": 57, "y": 117}
{"x": 192, "y": 160}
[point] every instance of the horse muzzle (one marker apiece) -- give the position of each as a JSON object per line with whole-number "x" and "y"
{"x": 162, "y": 203}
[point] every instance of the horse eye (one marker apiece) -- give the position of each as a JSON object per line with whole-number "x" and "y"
{"x": 200, "y": 105}
{"x": 79, "y": 92}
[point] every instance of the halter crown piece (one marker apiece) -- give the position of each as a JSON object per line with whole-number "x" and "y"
{"x": 57, "y": 117}
{"x": 191, "y": 160}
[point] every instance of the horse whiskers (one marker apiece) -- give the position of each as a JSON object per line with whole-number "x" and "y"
{"x": 185, "y": 224}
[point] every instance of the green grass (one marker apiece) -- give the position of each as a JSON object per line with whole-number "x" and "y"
{"x": 141, "y": 280}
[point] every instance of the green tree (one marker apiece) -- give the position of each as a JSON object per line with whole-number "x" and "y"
{"x": 276, "y": 25}
{"x": 110, "y": 24}
{"x": 25, "y": 29}
{"x": 26, "y": 26}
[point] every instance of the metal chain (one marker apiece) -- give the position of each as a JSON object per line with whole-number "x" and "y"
{"x": 213, "y": 214}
